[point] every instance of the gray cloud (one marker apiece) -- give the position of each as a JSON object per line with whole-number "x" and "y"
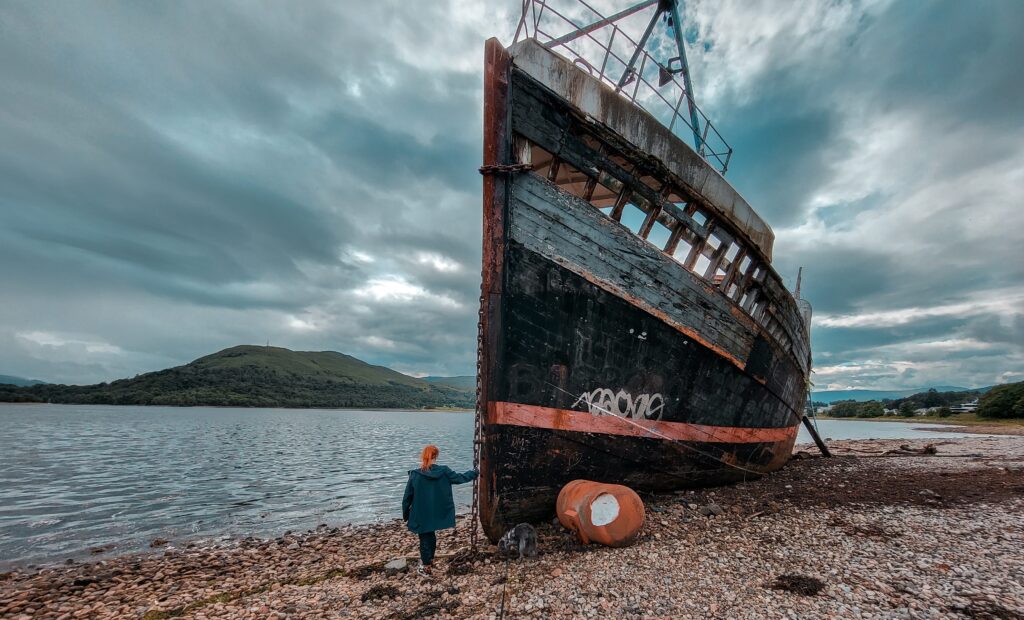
{"x": 178, "y": 178}
{"x": 901, "y": 196}
{"x": 778, "y": 138}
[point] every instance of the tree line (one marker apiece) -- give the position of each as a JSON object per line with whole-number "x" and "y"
{"x": 1002, "y": 401}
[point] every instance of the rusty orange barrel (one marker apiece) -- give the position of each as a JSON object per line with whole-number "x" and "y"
{"x": 610, "y": 514}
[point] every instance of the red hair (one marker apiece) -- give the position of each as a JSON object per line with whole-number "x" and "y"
{"x": 427, "y": 456}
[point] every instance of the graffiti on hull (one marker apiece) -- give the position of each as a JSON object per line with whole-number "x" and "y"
{"x": 604, "y": 401}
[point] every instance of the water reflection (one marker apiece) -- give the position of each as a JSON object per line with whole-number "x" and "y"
{"x": 79, "y": 477}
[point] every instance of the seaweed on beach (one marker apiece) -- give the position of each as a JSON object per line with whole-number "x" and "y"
{"x": 379, "y": 591}
{"x": 798, "y": 584}
{"x": 987, "y": 610}
{"x": 430, "y": 609}
{"x": 366, "y": 570}
{"x": 462, "y": 562}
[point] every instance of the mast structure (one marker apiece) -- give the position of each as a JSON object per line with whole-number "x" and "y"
{"x": 677, "y": 30}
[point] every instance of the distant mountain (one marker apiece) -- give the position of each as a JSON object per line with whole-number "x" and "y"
{"x": 464, "y": 383}
{"x": 10, "y": 380}
{"x": 831, "y": 396}
{"x": 256, "y": 376}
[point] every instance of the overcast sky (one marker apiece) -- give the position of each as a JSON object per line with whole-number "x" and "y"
{"x": 180, "y": 177}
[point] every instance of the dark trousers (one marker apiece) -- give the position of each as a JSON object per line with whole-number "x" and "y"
{"x": 428, "y": 544}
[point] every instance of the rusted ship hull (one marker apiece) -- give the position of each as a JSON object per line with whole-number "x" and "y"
{"x": 606, "y": 355}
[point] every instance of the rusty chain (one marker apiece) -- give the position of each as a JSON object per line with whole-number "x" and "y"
{"x": 478, "y": 423}
{"x": 478, "y": 427}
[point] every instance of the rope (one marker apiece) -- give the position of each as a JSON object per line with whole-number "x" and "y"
{"x": 504, "y": 586}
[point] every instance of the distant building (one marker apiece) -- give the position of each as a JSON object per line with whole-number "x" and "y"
{"x": 968, "y": 407}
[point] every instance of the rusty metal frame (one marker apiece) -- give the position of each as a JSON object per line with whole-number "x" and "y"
{"x": 540, "y": 20}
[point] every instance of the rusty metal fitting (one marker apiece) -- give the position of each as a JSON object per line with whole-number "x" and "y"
{"x": 505, "y": 168}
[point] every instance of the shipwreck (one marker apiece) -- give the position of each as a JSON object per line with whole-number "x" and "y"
{"x": 632, "y": 328}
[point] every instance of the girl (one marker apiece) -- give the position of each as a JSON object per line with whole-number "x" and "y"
{"x": 428, "y": 505}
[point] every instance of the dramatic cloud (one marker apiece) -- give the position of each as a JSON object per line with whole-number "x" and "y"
{"x": 178, "y": 178}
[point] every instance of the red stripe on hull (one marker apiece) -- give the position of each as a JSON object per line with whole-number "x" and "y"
{"x": 516, "y": 414}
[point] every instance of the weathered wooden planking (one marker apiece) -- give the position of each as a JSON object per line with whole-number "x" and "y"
{"x": 532, "y": 117}
{"x": 627, "y": 124}
{"x": 496, "y": 151}
{"x": 571, "y": 232}
{"x": 545, "y": 220}
{"x": 544, "y": 119}
{"x": 567, "y": 336}
{"x": 640, "y": 273}
{"x": 570, "y": 249}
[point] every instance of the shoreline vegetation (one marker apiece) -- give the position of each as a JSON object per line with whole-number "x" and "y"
{"x": 963, "y": 423}
{"x": 863, "y": 534}
{"x": 990, "y": 405}
{"x": 257, "y": 376}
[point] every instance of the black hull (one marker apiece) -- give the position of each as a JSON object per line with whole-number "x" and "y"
{"x": 531, "y": 465}
{"x": 566, "y": 337}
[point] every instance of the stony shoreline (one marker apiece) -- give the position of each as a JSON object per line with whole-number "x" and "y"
{"x": 877, "y": 532}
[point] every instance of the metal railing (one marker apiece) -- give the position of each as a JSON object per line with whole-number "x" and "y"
{"x": 606, "y": 51}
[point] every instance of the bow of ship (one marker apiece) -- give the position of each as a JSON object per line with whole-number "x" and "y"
{"x": 633, "y": 330}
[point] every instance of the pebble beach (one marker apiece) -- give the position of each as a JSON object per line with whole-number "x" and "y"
{"x": 882, "y": 530}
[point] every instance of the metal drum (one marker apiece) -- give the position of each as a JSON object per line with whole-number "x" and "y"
{"x": 609, "y": 514}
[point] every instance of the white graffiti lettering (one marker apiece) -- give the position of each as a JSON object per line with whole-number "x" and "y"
{"x": 603, "y": 401}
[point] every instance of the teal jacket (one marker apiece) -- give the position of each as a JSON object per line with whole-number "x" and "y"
{"x": 428, "y": 505}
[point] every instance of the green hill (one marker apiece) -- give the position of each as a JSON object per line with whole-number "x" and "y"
{"x": 1003, "y": 401}
{"x": 255, "y": 376}
{"x": 464, "y": 383}
{"x": 20, "y": 382}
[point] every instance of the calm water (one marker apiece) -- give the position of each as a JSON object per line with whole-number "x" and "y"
{"x": 78, "y": 477}
{"x": 866, "y": 429}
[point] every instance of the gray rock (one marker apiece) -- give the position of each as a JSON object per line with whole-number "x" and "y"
{"x": 712, "y": 510}
{"x": 398, "y": 565}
